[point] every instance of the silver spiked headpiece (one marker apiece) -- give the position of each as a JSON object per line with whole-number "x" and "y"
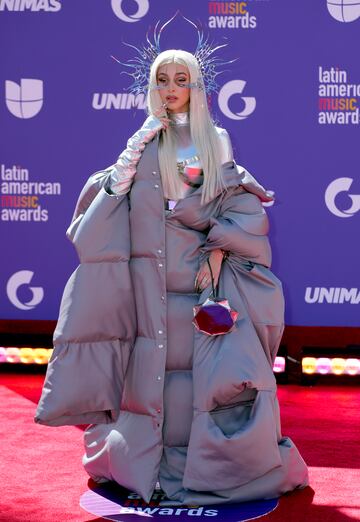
{"x": 139, "y": 66}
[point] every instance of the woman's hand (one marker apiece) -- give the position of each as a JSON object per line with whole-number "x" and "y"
{"x": 162, "y": 115}
{"x": 203, "y": 277}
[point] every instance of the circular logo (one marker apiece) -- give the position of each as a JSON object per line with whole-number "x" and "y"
{"x": 344, "y": 10}
{"x": 21, "y": 278}
{"x": 113, "y": 502}
{"x": 336, "y": 187}
{"x": 227, "y": 91}
{"x": 143, "y": 7}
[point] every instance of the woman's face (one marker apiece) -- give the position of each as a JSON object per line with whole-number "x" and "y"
{"x": 171, "y": 78}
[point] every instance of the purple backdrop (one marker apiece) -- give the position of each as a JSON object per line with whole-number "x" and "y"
{"x": 290, "y": 104}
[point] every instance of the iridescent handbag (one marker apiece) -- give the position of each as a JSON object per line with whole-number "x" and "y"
{"x": 215, "y": 316}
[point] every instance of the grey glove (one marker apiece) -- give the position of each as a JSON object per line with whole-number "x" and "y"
{"x": 252, "y": 185}
{"x": 123, "y": 171}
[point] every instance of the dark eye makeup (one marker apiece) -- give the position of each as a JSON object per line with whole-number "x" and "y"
{"x": 163, "y": 79}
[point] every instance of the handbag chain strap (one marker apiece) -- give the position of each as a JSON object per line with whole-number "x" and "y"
{"x": 214, "y": 290}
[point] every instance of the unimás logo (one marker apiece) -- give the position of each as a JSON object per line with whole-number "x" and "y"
{"x": 142, "y": 9}
{"x": 332, "y": 295}
{"x": 335, "y": 188}
{"x": 232, "y": 88}
{"x": 50, "y": 6}
{"x": 24, "y": 100}
{"x": 118, "y": 100}
{"x": 19, "y": 279}
{"x": 344, "y": 10}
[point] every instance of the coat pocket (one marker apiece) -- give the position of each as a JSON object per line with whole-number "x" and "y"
{"x": 233, "y": 417}
{"x": 234, "y": 446}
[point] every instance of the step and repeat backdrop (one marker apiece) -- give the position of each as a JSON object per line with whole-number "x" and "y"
{"x": 290, "y": 103}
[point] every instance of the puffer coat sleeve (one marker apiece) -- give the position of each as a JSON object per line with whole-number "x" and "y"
{"x": 240, "y": 226}
{"x": 93, "y": 338}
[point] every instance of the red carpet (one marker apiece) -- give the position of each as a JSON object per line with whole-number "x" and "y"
{"x": 43, "y": 478}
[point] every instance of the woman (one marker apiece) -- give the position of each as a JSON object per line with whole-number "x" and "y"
{"x": 165, "y": 401}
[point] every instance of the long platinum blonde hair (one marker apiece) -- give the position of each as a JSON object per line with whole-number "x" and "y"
{"x": 202, "y": 128}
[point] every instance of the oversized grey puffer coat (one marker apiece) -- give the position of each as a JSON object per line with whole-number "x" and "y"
{"x": 166, "y": 402}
